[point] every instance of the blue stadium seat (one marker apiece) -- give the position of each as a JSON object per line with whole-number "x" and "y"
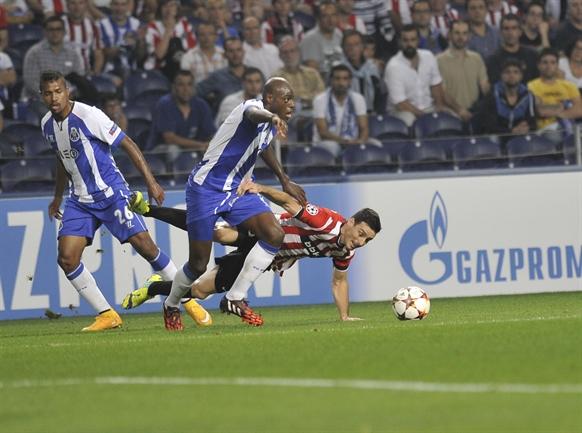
{"x": 305, "y": 133}
{"x": 133, "y": 112}
{"x": 533, "y": 150}
{"x": 103, "y": 84}
{"x": 367, "y": 158}
{"x": 132, "y": 175}
{"x": 424, "y": 158}
{"x": 37, "y": 146}
{"x": 479, "y": 152}
{"x": 143, "y": 81}
{"x": 27, "y": 175}
{"x": 437, "y": 125}
{"x": 148, "y": 98}
{"x": 20, "y": 132}
{"x": 9, "y": 149}
{"x": 23, "y": 36}
{"x": 184, "y": 165}
{"x": 310, "y": 161}
{"x": 137, "y": 127}
{"x": 387, "y": 127}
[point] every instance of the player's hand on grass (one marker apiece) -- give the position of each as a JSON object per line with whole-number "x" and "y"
{"x": 54, "y": 210}
{"x": 156, "y": 192}
{"x": 281, "y": 126}
{"x": 296, "y": 191}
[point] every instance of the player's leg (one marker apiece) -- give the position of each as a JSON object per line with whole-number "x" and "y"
{"x": 172, "y": 216}
{"x": 146, "y": 247}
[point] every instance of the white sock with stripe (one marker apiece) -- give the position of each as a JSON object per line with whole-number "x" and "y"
{"x": 85, "y": 284}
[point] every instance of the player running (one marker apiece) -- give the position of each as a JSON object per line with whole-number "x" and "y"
{"x": 211, "y": 193}
{"x": 82, "y": 137}
{"x": 310, "y": 231}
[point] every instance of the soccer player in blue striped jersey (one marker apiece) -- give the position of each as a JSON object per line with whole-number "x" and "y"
{"x": 211, "y": 193}
{"x": 82, "y": 137}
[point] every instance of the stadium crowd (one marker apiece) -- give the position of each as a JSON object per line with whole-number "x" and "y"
{"x": 365, "y": 72}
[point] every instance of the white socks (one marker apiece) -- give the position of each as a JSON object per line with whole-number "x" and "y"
{"x": 85, "y": 284}
{"x": 169, "y": 272}
{"x": 181, "y": 284}
{"x": 257, "y": 261}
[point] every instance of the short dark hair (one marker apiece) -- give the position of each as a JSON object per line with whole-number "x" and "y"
{"x": 205, "y": 23}
{"x": 408, "y": 28}
{"x": 549, "y": 52}
{"x": 317, "y": 12}
{"x": 536, "y": 3}
{"x": 508, "y": 17}
{"x": 370, "y": 217}
{"x": 349, "y": 33}
{"x": 512, "y": 62}
{"x": 52, "y": 19}
{"x": 230, "y": 39}
{"x": 49, "y": 76}
{"x": 339, "y": 67}
{"x": 183, "y": 73}
{"x": 458, "y": 21}
{"x": 250, "y": 70}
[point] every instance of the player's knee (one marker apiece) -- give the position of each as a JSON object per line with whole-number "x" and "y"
{"x": 197, "y": 267}
{"x": 275, "y": 236}
{"x": 68, "y": 262}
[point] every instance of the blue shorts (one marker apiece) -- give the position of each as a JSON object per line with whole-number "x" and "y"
{"x": 83, "y": 219}
{"x": 204, "y": 206}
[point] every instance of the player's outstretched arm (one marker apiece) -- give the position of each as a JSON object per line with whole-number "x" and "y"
{"x": 155, "y": 191}
{"x": 275, "y": 195}
{"x": 288, "y": 186}
{"x": 341, "y": 294}
{"x": 260, "y": 115}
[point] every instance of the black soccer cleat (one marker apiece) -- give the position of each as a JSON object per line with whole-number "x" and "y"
{"x": 241, "y": 309}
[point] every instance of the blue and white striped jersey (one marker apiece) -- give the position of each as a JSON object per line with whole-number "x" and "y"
{"x": 233, "y": 151}
{"x": 83, "y": 143}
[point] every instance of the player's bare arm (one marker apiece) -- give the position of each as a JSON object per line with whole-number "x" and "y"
{"x": 54, "y": 210}
{"x": 341, "y": 294}
{"x": 155, "y": 191}
{"x": 281, "y": 198}
{"x": 287, "y": 184}
{"x": 258, "y": 115}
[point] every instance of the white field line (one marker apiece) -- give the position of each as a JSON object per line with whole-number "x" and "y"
{"x": 382, "y": 385}
{"x": 265, "y": 331}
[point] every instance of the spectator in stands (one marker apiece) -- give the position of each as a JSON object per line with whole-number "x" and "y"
{"x": 111, "y": 105}
{"x": 253, "y": 81}
{"x": 281, "y": 23}
{"x": 442, "y": 17}
{"x": 510, "y": 47}
{"x": 181, "y": 120}
{"x": 227, "y": 80}
{"x": 305, "y": 81}
{"x": 50, "y": 54}
{"x": 509, "y": 108}
{"x": 167, "y": 38}
{"x": 83, "y": 34}
{"x": 571, "y": 29}
{"x": 571, "y": 65}
{"x": 557, "y": 100}
{"x": 321, "y": 46}
{"x": 366, "y": 78}
{"x": 484, "y": 38}
{"x": 430, "y": 38}
{"x": 121, "y": 43}
{"x": 413, "y": 80}
{"x": 378, "y": 21}
{"x": 263, "y": 56}
{"x": 463, "y": 71}
{"x": 218, "y": 16}
{"x": 497, "y": 9}
{"x": 339, "y": 114}
{"x": 535, "y": 27}
{"x": 347, "y": 20}
{"x": 206, "y": 57}
{"x": 7, "y": 77}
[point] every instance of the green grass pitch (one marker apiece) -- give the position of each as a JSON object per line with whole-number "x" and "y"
{"x": 492, "y": 364}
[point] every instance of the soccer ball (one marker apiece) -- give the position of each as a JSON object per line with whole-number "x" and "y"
{"x": 411, "y": 303}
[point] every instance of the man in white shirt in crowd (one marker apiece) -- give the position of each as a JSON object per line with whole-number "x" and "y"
{"x": 253, "y": 81}
{"x": 339, "y": 114}
{"x": 206, "y": 57}
{"x": 413, "y": 80}
{"x": 260, "y": 55}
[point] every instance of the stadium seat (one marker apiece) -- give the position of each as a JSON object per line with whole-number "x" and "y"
{"x": 479, "y": 152}
{"x": 23, "y": 36}
{"x": 143, "y": 81}
{"x": 133, "y": 112}
{"x": 437, "y": 125}
{"x": 136, "y": 127}
{"x": 533, "y": 150}
{"x": 27, "y": 175}
{"x": 184, "y": 165}
{"x": 20, "y": 132}
{"x": 387, "y": 127}
{"x": 310, "y": 161}
{"x": 148, "y": 98}
{"x": 9, "y": 149}
{"x": 419, "y": 157}
{"x": 305, "y": 133}
{"x": 132, "y": 175}
{"x": 367, "y": 158}
{"x": 569, "y": 149}
{"x": 103, "y": 84}
{"x": 37, "y": 146}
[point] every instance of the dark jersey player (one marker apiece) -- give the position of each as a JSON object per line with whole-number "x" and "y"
{"x": 310, "y": 231}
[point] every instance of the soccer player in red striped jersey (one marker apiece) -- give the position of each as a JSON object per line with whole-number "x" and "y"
{"x": 310, "y": 231}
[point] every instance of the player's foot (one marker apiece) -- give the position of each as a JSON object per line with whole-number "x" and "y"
{"x": 139, "y": 296}
{"x": 241, "y": 309}
{"x": 107, "y": 320}
{"x": 172, "y": 318}
{"x": 138, "y": 204}
{"x": 197, "y": 313}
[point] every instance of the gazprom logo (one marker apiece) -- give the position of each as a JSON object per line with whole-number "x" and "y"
{"x": 425, "y": 260}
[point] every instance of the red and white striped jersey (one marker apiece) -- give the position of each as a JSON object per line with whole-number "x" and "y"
{"x": 54, "y": 7}
{"x": 493, "y": 18}
{"x": 314, "y": 232}
{"x": 442, "y": 23}
{"x": 182, "y": 30}
{"x": 84, "y": 38}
